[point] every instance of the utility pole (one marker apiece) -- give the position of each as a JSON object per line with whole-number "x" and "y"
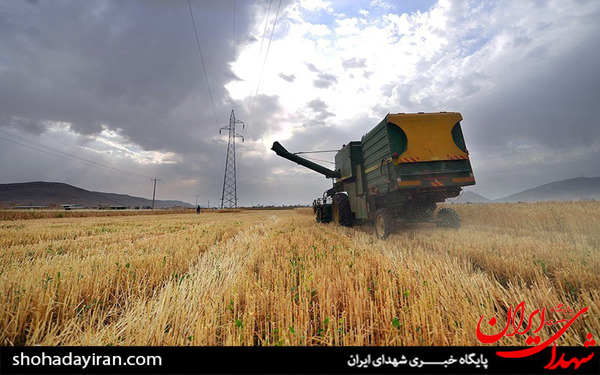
{"x": 229, "y": 197}
{"x": 154, "y": 192}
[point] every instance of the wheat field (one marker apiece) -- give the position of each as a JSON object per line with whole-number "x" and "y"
{"x": 280, "y": 278}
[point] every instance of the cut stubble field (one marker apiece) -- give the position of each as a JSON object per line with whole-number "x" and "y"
{"x": 280, "y": 278}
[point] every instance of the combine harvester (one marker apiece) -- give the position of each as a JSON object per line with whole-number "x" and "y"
{"x": 398, "y": 171}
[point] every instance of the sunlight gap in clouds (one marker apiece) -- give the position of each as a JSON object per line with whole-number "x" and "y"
{"x": 317, "y": 56}
{"x": 108, "y": 142}
{"x": 112, "y": 142}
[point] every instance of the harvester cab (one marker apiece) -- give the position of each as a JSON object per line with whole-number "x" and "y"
{"x": 398, "y": 171}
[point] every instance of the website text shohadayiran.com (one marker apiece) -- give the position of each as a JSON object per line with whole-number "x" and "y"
{"x": 84, "y": 361}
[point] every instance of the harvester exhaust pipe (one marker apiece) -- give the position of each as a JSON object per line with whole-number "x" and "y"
{"x": 281, "y": 151}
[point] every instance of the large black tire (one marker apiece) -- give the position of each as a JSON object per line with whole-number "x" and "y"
{"x": 384, "y": 223}
{"x": 342, "y": 213}
{"x": 447, "y": 218}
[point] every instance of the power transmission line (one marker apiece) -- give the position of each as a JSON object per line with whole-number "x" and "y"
{"x": 262, "y": 42}
{"x": 264, "y": 62}
{"x": 34, "y": 145}
{"x": 313, "y": 152}
{"x": 203, "y": 65}
{"x": 321, "y": 160}
{"x": 62, "y": 154}
{"x": 233, "y": 59}
{"x": 174, "y": 190}
{"x": 259, "y": 56}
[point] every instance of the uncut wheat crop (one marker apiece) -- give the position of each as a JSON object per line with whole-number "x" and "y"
{"x": 280, "y": 278}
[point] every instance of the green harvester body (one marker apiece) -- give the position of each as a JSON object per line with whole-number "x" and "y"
{"x": 398, "y": 171}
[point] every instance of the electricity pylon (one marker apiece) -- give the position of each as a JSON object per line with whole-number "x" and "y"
{"x": 229, "y": 197}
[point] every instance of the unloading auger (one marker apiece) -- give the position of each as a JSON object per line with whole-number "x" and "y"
{"x": 398, "y": 171}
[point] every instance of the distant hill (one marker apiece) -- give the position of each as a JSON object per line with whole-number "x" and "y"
{"x": 468, "y": 197}
{"x": 55, "y": 193}
{"x": 573, "y": 189}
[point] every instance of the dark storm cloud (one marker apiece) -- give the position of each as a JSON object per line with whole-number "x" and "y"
{"x": 123, "y": 65}
{"x": 132, "y": 67}
{"x": 539, "y": 124}
{"x": 30, "y": 126}
{"x": 266, "y": 115}
{"x": 553, "y": 105}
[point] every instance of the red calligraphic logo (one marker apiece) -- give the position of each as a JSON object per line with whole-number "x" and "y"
{"x": 515, "y": 326}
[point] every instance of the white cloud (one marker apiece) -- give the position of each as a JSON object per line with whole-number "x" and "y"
{"x": 380, "y": 3}
{"x": 313, "y": 5}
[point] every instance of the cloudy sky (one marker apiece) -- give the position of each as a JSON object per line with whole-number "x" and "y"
{"x": 105, "y": 95}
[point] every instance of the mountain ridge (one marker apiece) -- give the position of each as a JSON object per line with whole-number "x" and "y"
{"x": 578, "y": 188}
{"x": 42, "y": 193}
{"x": 468, "y": 196}
{"x": 571, "y": 189}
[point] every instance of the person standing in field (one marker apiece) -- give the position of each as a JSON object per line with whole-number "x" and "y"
{"x": 198, "y": 209}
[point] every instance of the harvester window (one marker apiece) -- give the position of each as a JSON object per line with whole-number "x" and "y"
{"x": 397, "y": 138}
{"x": 457, "y": 137}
